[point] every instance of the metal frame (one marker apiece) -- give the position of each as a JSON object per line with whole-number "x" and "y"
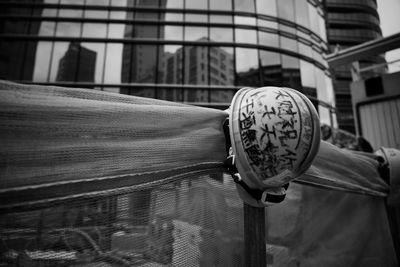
{"x": 363, "y": 50}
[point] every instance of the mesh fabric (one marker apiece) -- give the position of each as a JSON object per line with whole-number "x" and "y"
{"x": 89, "y": 178}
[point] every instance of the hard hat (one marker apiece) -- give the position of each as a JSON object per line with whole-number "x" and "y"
{"x": 274, "y": 133}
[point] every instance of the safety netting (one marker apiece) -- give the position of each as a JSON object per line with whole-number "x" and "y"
{"x": 90, "y": 178}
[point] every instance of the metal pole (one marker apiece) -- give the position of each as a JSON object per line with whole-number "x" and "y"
{"x": 393, "y": 214}
{"x": 254, "y": 236}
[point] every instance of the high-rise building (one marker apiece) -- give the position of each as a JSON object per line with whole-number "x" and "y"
{"x": 77, "y": 64}
{"x": 350, "y": 23}
{"x": 195, "y": 51}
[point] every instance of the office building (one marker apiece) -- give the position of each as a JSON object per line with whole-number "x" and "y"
{"x": 194, "y": 51}
{"x": 350, "y": 23}
{"x": 77, "y": 64}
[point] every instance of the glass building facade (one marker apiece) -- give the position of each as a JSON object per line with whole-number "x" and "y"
{"x": 194, "y": 51}
{"x": 350, "y": 22}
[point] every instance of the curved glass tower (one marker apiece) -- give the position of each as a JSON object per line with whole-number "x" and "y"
{"x": 193, "y": 51}
{"x": 350, "y": 23}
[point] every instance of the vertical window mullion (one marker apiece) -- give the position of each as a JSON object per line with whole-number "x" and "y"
{"x": 208, "y": 50}
{"x": 183, "y": 53}
{"x": 234, "y": 42}
{"x": 53, "y": 43}
{"x": 157, "y": 53}
{"x": 106, "y": 46}
{"x": 78, "y": 62}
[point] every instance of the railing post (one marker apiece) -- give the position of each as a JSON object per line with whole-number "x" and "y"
{"x": 254, "y": 236}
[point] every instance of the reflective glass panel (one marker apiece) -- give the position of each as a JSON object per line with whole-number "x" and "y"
{"x": 303, "y": 35}
{"x": 271, "y": 68}
{"x": 313, "y": 15}
{"x": 221, "y": 5}
{"x": 305, "y": 50}
{"x": 130, "y": 16}
{"x": 221, "y": 66}
{"x": 246, "y": 36}
{"x": 244, "y": 5}
{"x": 169, "y": 16}
{"x": 291, "y": 72}
{"x": 98, "y": 2}
{"x": 145, "y": 31}
{"x": 70, "y": 13}
{"x": 196, "y": 4}
{"x": 286, "y": 9}
{"x": 220, "y": 19}
{"x": 116, "y": 30}
{"x": 128, "y": 31}
{"x": 301, "y": 11}
{"x": 117, "y": 14}
{"x": 152, "y": 16}
{"x": 47, "y": 28}
{"x": 174, "y": 3}
{"x": 221, "y": 34}
{"x": 59, "y": 54}
{"x": 91, "y": 71}
{"x": 196, "y": 33}
{"x": 113, "y": 63}
{"x": 148, "y": 3}
{"x": 307, "y": 74}
{"x": 18, "y": 60}
{"x": 247, "y": 72}
{"x": 269, "y": 39}
{"x": 266, "y": 7}
{"x": 287, "y": 29}
{"x": 42, "y": 62}
{"x": 49, "y": 12}
{"x": 322, "y": 28}
{"x": 139, "y": 63}
{"x": 245, "y": 20}
{"x": 76, "y": 64}
{"x": 323, "y": 94}
{"x": 13, "y": 26}
{"x": 195, "y": 18}
{"x": 34, "y": 27}
{"x": 290, "y": 62}
{"x": 119, "y": 3}
{"x": 196, "y": 72}
{"x": 318, "y": 56}
{"x": 288, "y": 43}
{"x": 71, "y": 2}
{"x": 221, "y": 73}
{"x": 98, "y": 30}
{"x": 11, "y": 61}
{"x": 267, "y": 23}
{"x": 268, "y": 58}
{"x": 98, "y": 14}
{"x": 68, "y": 29}
{"x": 172, "y": 32}
{"x": 170, "y": 65}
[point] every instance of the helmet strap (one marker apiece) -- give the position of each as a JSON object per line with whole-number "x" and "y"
{"x": 265, "y": 197}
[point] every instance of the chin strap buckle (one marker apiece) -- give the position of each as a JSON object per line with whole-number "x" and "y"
{"x": 266, "y": 197}
{"x": 254, "y": 197}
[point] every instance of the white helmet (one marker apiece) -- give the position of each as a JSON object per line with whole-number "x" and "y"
{"x": 275, "y": 135}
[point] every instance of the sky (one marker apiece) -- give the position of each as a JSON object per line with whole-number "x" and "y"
{"x": 389, "y": 11}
